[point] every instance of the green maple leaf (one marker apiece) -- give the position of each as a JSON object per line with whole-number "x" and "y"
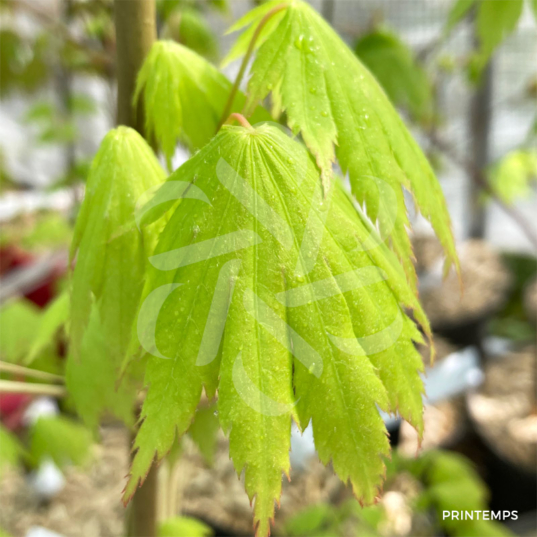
{"x": 50, "y": 323}
{"x": 495, "y": 21}
{"x": 203, "y": 432}
{"x": 340, "y": 110}
{"x": 184, "y": 97}
{"x": 95, "y": 371}
{"x": 111, "y": 251}
{"x": 286, "y": 303}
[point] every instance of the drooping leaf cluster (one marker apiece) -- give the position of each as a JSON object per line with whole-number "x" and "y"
{"x": 340, "y": 111}
{"x": 184, "y": 97}
{"x": 255, "y": 277}
{"x": 273, "y": 298}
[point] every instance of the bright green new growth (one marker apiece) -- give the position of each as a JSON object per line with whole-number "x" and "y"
{"x": 340, "y": 110}
{"x": 184, "y": 97}
{"x": 286, "y": 303}
{"x": 112, "y": 252}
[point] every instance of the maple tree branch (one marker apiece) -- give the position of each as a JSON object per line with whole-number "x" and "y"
{"x": 10, "y": 386}
{"x": 15, "y": 369}
{"x": 480, "y": 180}
{"x": 246, "y": 60}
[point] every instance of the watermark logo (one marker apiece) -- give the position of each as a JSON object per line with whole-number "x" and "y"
{"x": 156, "y": 201}
{"x": 479, "y": 515}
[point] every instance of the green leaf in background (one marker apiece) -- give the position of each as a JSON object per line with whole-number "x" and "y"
{"x": 511, "y": 178}
{"x": 203, "y": 432}
{"x": 111, "y": 251}
{"x": 331, "y": 98}
{"x": 495, "y": 21}
{"x": 190, "y": 28}
{"x": 313, "y": 520}
{"x": 183, "y": 526}
{"x": 289, "y": 305}
{"x": 454, "y": 485}
{"x": 19, "y": 321}
{"x": 11, "y": 450}
{"x": 397, "y": 71}
{"x": 92, "y": 380}
{"x": 61, "y": 439}
{"x": 184, "y": 97}
{"x": 52, "y": 320}
{"x": 458, "y": 11}
{"x": 251, "y": 21}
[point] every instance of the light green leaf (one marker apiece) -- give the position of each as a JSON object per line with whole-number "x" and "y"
{"x": 511, "y": 178}
{"x": 331, "y": 98}
{"x": 93, "y": 379}
{"x": 184, "y": 526}
{"x": 19, "y": 321}
{"x": 51, "y": 321}
{"x": 397, "y": 71}
{"x": 112, "y": 252}
{"x": 190, "y": 28}
{"x": 251, "y": 21}
{"x": 263, "y": 289}
{"x": 203, "y": 432}
{"x": 495, "y": 21}
{"x": 184, "y": 96}
{"x": 457, "y": 12}
{"x": 11, "y": 450}
{"x": 61, "y": 439}
{"x": 454, "y": 485}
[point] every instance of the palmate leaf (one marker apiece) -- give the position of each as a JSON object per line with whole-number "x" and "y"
{"x": 286, "y": 303}
{"x": 340, "y": 110}
{"x": 184, "y": 97}
{"x": 112, "y": 252}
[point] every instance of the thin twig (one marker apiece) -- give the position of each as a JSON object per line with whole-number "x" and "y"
{"x": 10, "y": 386}
{"x": 481, "y": 180}
{"x": 245, "y": 61}
{"x": 6, "y": 367}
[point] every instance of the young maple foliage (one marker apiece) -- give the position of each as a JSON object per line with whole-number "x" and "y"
{"x": 341, "y": 111}
{"x": 184, "y": 97}
{"x": 111, "y": 252}
{"x": 284, "y": 301}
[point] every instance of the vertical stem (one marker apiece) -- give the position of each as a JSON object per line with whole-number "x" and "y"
{"x": 64, "y": 87}
{"x": 135, "y": 24}
{"x": 327, "y": 10}
{"x": 136, "y": 30}
{"x": 143, "y": 511}
{"x": 480, "y": 124}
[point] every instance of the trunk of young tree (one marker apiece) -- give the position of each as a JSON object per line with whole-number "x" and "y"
{"x": 136, "y": 30}
{"x": 480, "y": 125}
{"x": 135, "y": 23}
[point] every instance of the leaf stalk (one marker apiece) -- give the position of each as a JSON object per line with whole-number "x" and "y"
{"x": 246, "y": 60}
